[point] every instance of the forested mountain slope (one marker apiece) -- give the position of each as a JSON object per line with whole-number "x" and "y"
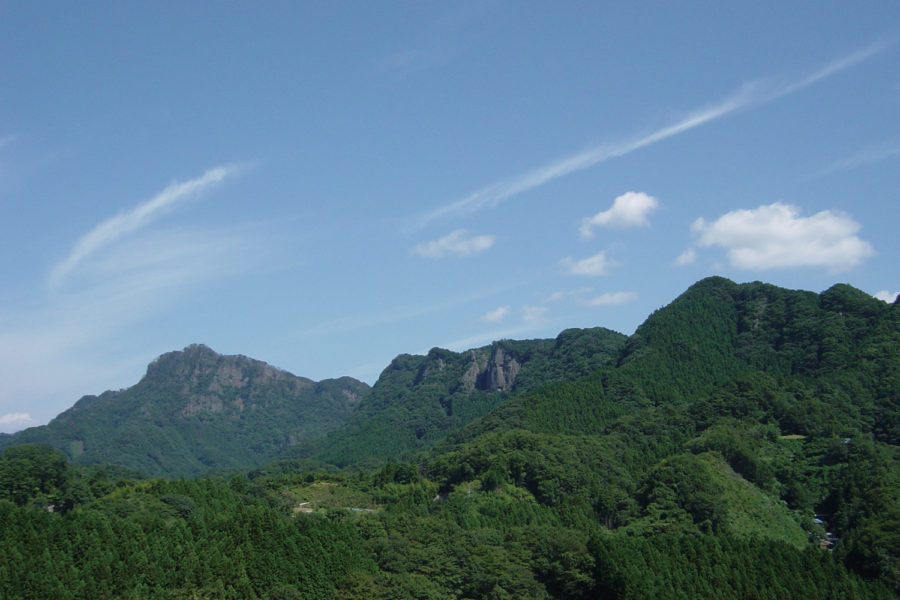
{"x": 196, "y": 410}
{"x": 737, "y": 410}
{"x": 742, "y": 444}
{"x": 819, "y": 363}
{"x": 418, "y": 400}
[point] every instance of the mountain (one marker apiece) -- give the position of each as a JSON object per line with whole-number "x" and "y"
{"x": 815, "y": 363}
{"x": 418, "y": 400}
{"x": 197, "y": 410}
{"x": 741, "y": 444}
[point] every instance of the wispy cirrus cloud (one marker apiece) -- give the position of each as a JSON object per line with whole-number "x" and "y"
{"x": 69, "y": 332}
{"x": 750, "y": 94}
{"x": 458, "y": 243}
{"x": 115, "y": 228}
{"x": 777, "y": 236}
{"x": 872, "y": 154}
{"x": 126, "y": 273}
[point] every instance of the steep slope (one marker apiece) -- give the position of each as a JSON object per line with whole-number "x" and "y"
{"x": 737, "y": 410}
{"x": 196, "y": 410}
{"x": 828, "y": 361}
{"x": 418, "y": 400}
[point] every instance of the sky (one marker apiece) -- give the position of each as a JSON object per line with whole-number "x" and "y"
{"x": 326, "y": 185}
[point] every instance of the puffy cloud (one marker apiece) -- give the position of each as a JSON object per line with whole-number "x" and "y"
{"x": 777, "y": 236}
{"x": 686, "y": 257}
{"x": 889, "y": 297}
{"x": 595, "y": 265}
{"x": 496, "y": 315}
{"x": 612, "y": 298}
{"x": 457, "y": 243}
{"x": 628, "y": 210}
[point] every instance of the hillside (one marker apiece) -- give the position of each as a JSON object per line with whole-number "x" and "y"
{"x": 814, "y": 363}
{"x": 418, "y": 400}
{"x": 741, "y": 444}
{"x": 196, "y": 410}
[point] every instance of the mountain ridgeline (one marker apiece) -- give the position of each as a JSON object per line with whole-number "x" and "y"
{"x": 742, "y": 443}
{"x": 195, "y": 411}
{"x": 418, "y": 400}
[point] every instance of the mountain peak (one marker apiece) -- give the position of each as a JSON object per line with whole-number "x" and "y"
{"x": 195, "y": 409}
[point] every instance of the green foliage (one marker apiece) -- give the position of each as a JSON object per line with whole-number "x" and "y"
{"x": 742, "y": 444}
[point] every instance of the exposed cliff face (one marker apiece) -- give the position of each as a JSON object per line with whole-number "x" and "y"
{"x": 501, "y": 371}
{"x": 477, "y": 366}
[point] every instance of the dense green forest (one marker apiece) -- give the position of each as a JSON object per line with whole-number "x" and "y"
{"x": 743, "y": 443}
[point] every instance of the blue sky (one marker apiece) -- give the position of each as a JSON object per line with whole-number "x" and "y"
{"x": 326, "y": 185}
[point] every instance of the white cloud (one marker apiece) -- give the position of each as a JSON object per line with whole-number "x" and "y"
{"x": 613, "y": 298}
{"x": 750, "y": 94}
{"x": 457, "y": 243}
{"x": 533, "y": 314}
{"x": 496, "y": 315}
{"x": 114, "y": 228}
{"x": 15, "y": 419}
{"x": 628, "y": 210}
{"x": 595, "y": 265}
{"x": 776, "y": 236}
{"x": 686, "y": 257}
{"x": 889, "y": 297}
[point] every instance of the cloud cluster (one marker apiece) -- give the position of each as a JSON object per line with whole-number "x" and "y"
{"x": 628, "y": 210}
{"x": 777, "y": 236}
{"x": 889, "y": 297}
{"x": 596, "y": 265}
{"x": 750, "y": 94}
{"x": 458, "y": 243}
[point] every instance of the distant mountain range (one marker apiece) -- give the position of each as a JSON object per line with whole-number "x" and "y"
{"x": 739, "y": 431}
{"x": 196, "y": 410}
